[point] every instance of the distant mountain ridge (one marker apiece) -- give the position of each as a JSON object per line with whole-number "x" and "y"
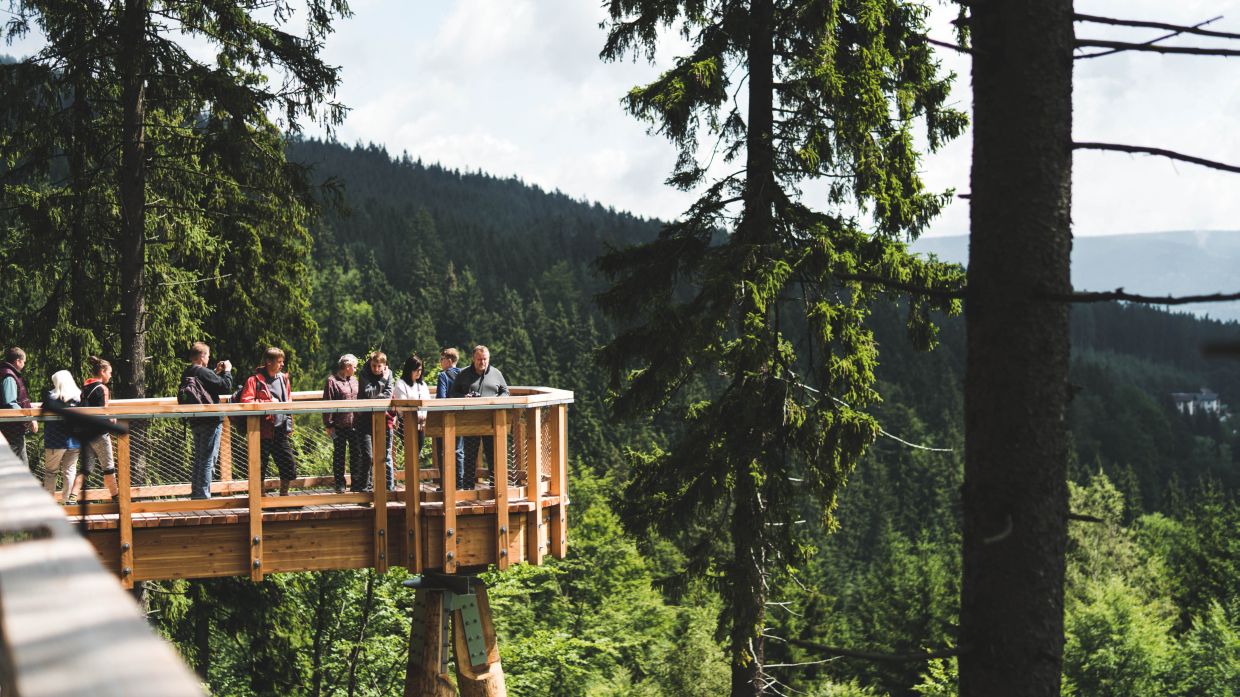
{"x": 1186, "y": 262}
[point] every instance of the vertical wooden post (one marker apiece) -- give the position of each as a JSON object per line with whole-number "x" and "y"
{"x": 486, "y": 680}
{"x": 534, "y": 547}
{"x": 378, "y": 439}
{"x": 447, "y": 480}
{"x": 423, "y": 676}
{"x": 125, "y": 516}
{"x": 499, "y": 455}
{"x": 226, "y": 453}
{"x": 255, "y": 464}
{"x": 413, "y": 495}
{"x": 559, "y": 480}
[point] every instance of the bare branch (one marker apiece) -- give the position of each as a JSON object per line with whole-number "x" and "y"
{"x": 1161, "y": 152}
{"x": 1085, "y": 518}
{"x": 1119, "y": 294}
{"x": 1154, "y": 48}
{"x": 877, "y": 655}
{"x": 947, "y": 44}
{"x": 1178, "y": 28}
{"x": 1157, "y": 39}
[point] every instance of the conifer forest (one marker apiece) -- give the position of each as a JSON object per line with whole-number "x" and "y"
{"x": 803, "y": 459}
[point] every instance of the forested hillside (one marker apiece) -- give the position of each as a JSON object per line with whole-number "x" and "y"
{"x": 418, "y": 257}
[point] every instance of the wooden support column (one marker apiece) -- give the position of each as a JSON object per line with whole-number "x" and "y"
{"x": 487, "y": 679}
{"x": 413, "y": 495}
{"x": 559, "y": 480}
{"x": 447, "y": 478}
{"x": 378, "y": 439}
{"x": 424, "y": 676}
{"x": 226, "y": 453}
{"x": 534, "y": 547}
{"x": 254, "y": 460}
{"x": 125, "y": 517}
{"x": 499, "y": 455}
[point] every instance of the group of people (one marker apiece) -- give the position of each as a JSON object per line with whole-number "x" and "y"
{"x": 62, "y": 445}
{"x": 201, "y": 382}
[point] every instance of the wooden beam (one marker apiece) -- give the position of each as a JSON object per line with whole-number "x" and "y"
{"x": 448, "y": 483}
{"x": 68, "y": 628}
{"x": 559, "y": 480}
{"x": 499, "y": 456}
{"x": 254, "y": 446}
{"x": 413, "y": 497}
{"x": 534, "y": 546}
{"x": 226, "y": 453}
{"x": 378, "y": 439}
{"x": 125, "y": 512}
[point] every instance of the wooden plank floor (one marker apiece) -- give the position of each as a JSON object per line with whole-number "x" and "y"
{"x": 211, "y": 543}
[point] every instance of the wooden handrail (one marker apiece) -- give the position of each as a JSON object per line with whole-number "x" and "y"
{"x": 67, "y": 627}
{"x": 304, "y": 402}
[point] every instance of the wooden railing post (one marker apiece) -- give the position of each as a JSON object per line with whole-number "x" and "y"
{"x": 226, "y": 452}
{"x": 499, "y": 455}
{"x": 447, "y": 480}
{"x": 559, "y": 480}
{"x": 378, "y": 439}
{"x": 253, "y": 453}
{"x": 534, "y": 547}
{"x": 413, "y": 495}
{"x": 125, "y": 516}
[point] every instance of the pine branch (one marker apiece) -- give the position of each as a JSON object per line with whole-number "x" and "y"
{"x": 1161, "y": 152}
{"x": 1155, "y": 48}
{"x": 1178, "y": 28}
{"x": 892, "y": 284}
{"x": 947, "y": 44}
{"x": 1119, "y": 294}
{"x": 1151, "y": 42}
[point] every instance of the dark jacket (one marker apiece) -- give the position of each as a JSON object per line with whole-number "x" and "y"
{"x": 371, "y": 386}
{"x": 56, "y": 434}
{"x": 216, "y": 384}
{"x": 444, "y": 385}
{"x": 13, "y": 431}
{"x": 339, "y": 388}
{"x": 489, "y": 384}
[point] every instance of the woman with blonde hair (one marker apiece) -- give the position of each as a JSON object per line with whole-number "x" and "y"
{"x": 60, "y": 445}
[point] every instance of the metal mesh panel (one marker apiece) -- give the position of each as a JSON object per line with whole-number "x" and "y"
{"x": 544, "y": 462}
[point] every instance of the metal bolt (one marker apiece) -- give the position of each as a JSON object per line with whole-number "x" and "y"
{"x": 382, "y": 532}
{"x": 258, "y": 563}
{"x": 382, "y": 555}
{"x": 503, "y": 552}
{"x": 124, "y": 546}
{"x": 503, "y": 528}
{"x": 126, "y": 571}
{"x": 451, "y": 556}
{"x": 449, "y": 532}
{"x": 257, "y": 539}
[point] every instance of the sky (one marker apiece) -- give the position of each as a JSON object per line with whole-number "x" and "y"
{"x": 515, "y": 87}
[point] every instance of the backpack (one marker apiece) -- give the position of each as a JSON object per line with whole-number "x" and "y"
{"x": 193, "y": 392}
{"x": 241, "y": 422}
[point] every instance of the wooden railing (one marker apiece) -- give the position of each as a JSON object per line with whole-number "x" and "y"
{"x": 66, "y": 627}
{"x": 529, "y": 438}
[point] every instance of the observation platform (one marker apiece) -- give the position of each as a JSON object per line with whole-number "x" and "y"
{"x": 517, "y": 514}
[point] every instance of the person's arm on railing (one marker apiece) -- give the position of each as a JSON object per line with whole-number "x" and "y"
{"x": 329, "y": 419}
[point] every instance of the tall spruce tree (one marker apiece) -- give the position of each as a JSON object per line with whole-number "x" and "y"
{"x": 1015, "y": 494}
{"x": 172, "y": 163}
{"x": 755, "y": 298}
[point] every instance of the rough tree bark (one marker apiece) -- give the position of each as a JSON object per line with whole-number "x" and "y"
{"x": 1015, "y": 491}
{"x": 748, "y": 583}
{"x": 131, "y": 242}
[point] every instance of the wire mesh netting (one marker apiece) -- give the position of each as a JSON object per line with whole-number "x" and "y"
{"x": 161, "y": 456}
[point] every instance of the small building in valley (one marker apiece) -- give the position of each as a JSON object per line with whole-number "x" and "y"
{"x": 1203, "y": 402}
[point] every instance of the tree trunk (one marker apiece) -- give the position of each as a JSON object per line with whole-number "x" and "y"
{"x": 426, "y": 647}
{"x": 131, "y": 241}
{"x": 363, "y": 621}
{"x": 747, "y": 586}
{"x": 202, "y": 629}
{"x": 1015, "y": 491}
{"x": 487, "y": 679}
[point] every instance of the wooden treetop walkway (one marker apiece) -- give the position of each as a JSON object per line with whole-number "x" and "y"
{"x": 155, "y": 531}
